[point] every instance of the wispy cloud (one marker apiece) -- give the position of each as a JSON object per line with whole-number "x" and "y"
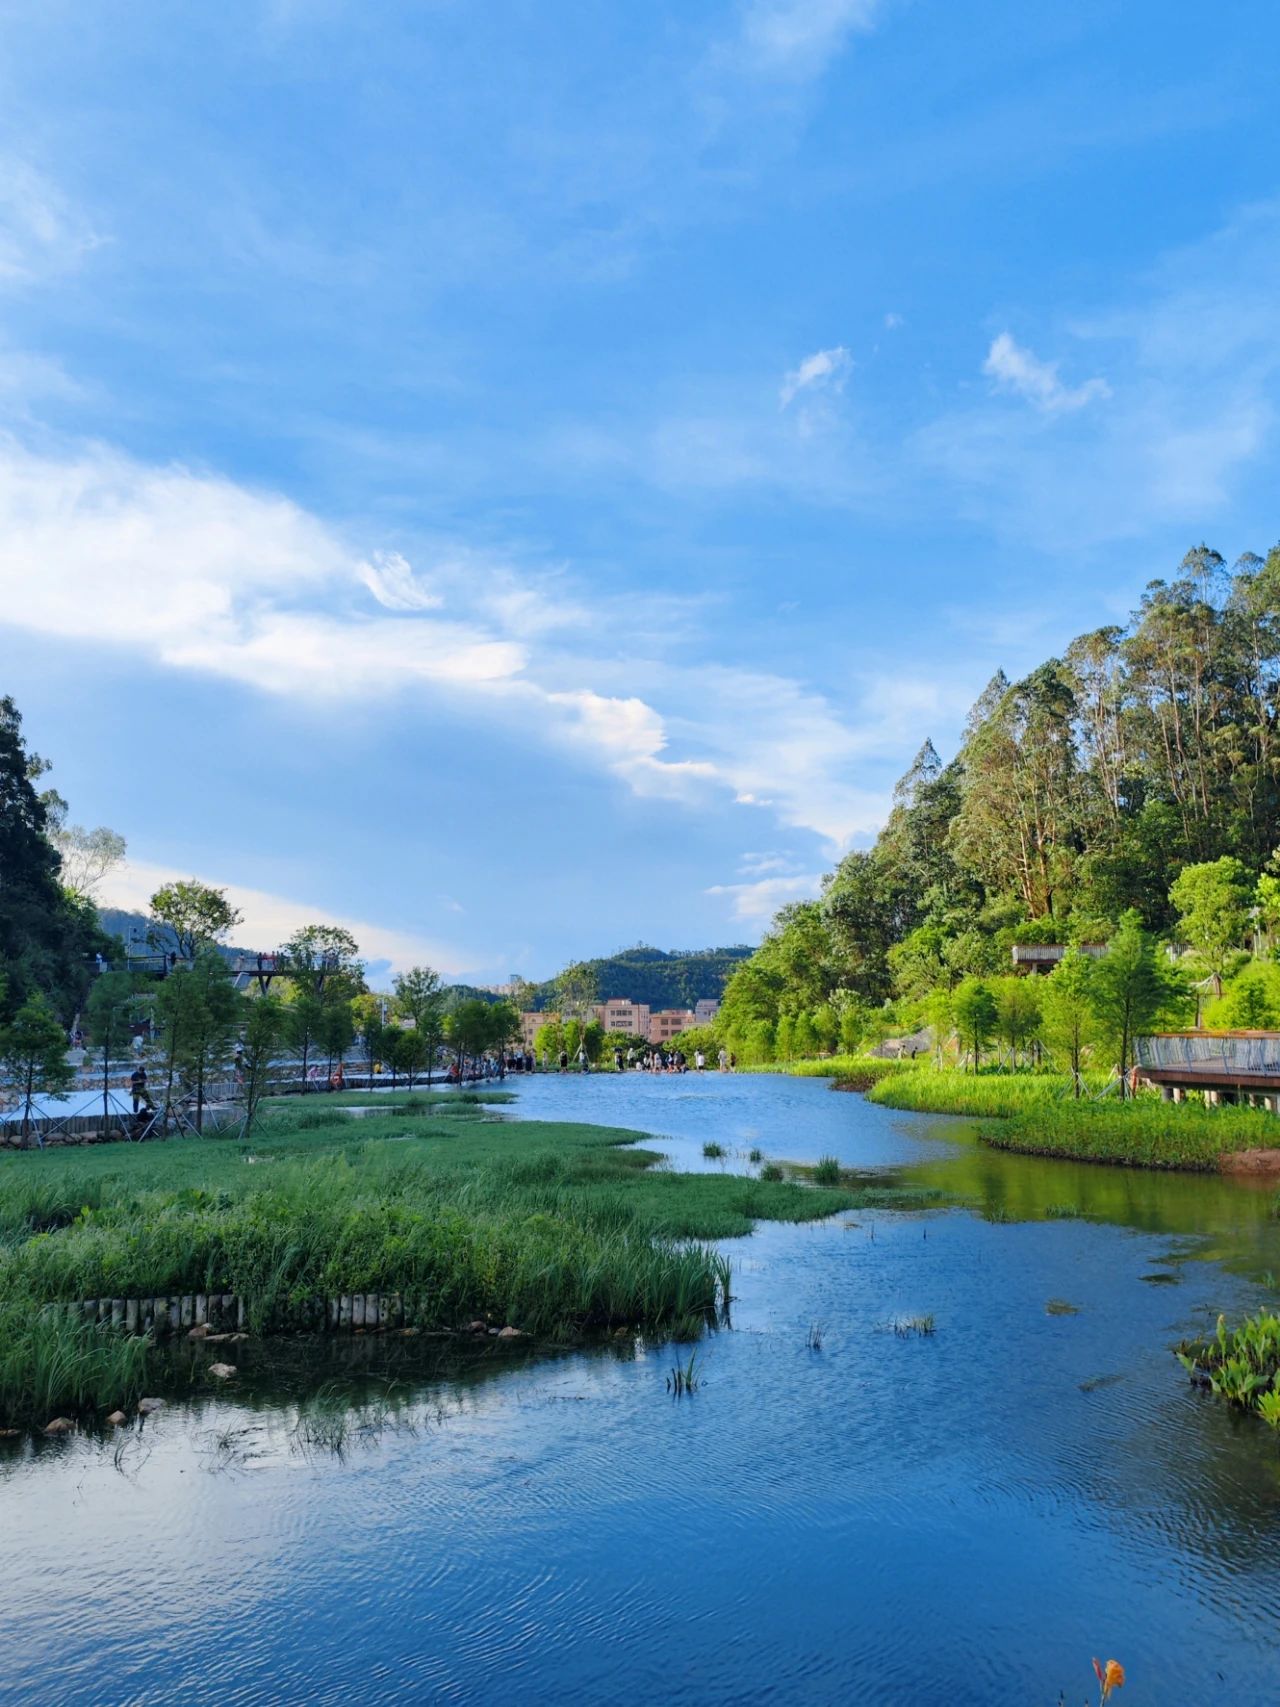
{"x": 187, "y": 570}
{"x": 755, "y": 903}
{"x": 824, "y": 370}
{"x": 41, "y": 231}
{"x": 797, "y": 39}
{"x": 269, "y": 919}
{"x": 1016, "y": 369}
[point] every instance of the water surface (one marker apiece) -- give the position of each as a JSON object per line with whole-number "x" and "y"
{"x": 963, "y": 1517}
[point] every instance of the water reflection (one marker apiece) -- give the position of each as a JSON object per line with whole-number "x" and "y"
{"x": 963, "y": 1517}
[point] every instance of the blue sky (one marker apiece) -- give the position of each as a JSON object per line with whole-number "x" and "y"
{"x": 523, "y": 478}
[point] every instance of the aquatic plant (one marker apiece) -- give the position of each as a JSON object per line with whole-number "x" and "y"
{"x": 905, "y": 1326}
{"x": 814, "y": 1337}
{"x": 558, "y": 1229}
{"x": 771, "y": 1172}
{"x": 827, "y": 1171}
{"x": 1240, "y": 1365}
{"x": 685, "y": 1377}
{"x": 755, "y": 1155}
{"x": 713, "y": 1151}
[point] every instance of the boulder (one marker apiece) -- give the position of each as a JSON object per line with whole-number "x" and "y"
{"x": 477, "y": 1327}
{"x": 199, "y": 1332}
{"x": 146, "y": 1406}
{"x": 510, "y": 1334}
{"x": 116, "y": 1419}
{"x": 223, "y": 1371}
{"x": 60, "y": 1425}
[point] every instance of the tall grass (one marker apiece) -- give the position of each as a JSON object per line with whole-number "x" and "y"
{"x": 854, "y": 1072}
{"x": 555, "y": 1228}
{"x": 1142, "y": 1133}
{"x": 930, "y": 1090}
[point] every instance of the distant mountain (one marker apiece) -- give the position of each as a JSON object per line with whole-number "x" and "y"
{"x": 141, "y": 935}
{"x": 660, "y": 978}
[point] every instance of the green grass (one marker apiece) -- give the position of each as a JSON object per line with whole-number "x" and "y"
{"x": 930, "y": 1090}
{"x": 851, "y": 1072}
{"x": 556, "y": 1228}
{"x": 1143, "y": 1133}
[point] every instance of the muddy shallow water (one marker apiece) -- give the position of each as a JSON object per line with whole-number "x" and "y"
{"x": 964, "y": 1516}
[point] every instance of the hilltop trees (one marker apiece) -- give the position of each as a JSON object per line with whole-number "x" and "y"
{"x": 196, "y": 913}
{"x": 1137, "y": 773}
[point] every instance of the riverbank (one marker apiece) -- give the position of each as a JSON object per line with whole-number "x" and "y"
{"x": 553, "y": 1228}
{"x": 1038, "y": 1114}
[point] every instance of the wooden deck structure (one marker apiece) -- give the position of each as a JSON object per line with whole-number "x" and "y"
{"x": 1227, "y": 1066}
{"x": 1042, "y": 957}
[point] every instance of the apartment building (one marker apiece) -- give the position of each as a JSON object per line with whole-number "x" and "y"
{"x": 668, "y": 1022}
{"x": 630, "y": 1017}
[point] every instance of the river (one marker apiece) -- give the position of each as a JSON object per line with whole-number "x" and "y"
{"x": 960, "y": 1517}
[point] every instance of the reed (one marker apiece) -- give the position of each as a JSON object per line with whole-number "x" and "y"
{"x": 558, "y": 1229}
{"x": 1143, "y": 1133}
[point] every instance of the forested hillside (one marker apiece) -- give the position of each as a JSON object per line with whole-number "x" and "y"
{"x": 675, "y": 978}
{"x": 1078, "y": 794}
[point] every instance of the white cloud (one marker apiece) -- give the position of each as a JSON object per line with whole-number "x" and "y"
{"x": 393, "y": 583}
{"x": 269, "y": 919}
{"x": 797, "y": 39}
{"x": 41, "y": 233}
{"x": 186, "y": 570}
{"x": 824, "y": 369}
{"x": 892, "y": 322}
{"x": 756, "y": 903}
{"x": 1014, "y": 368}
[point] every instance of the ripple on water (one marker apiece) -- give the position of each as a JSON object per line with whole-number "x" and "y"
{"x": 966, "y": 1516}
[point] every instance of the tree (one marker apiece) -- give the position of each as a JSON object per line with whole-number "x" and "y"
{"x": 852, "y": 1021}
{"x": 1130, "y": 988}
{"x": 264, "y": 1023}
{"x": 975, "y": 1013}
{"x": 197, "y": 914}
{"x": 401, "y": 1046}
{"x": 47, "y": 938}
{"x": 33, "y": 1053}
{"x": 198, "y": 1009}
{"x": 319, "y": 956}
{"x": 109, "y": 1014}
{"x": 1068, "y": 1020}
{"x": 826, "y": 1027}
{"x": 420, "y": 996}
{"x": 87, "y": 856}
{"x": 804, "y": 1039}
{"x": 1018, "y": 1005}
{"x": 469, "y": 1029}
{"x": 1249, "y": 1006}
{"x": 304, "y": 1021}
{"x": 336, "y": 1030}
{"x": 548, "y": 1041}
{"x": 577, "y": 990}
{"x": 1213, "y": 901}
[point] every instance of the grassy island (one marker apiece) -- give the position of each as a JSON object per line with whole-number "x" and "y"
{"x": 553, "y": 1228}
{"x": 1038, "y": 1114}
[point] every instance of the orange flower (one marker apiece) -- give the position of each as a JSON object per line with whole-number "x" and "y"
{"x": 1110, "y": 1676}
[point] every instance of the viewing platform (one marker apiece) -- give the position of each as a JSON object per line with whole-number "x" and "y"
{"x": 1042, "y": 957}
{"x": 1227, "y": 1066}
